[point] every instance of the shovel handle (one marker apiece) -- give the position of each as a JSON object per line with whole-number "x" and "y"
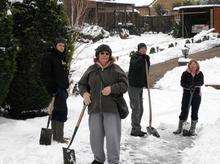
{"x": 50, "y": 114}
{"x": 149, "y": 96}
{"x": 77, "y": 125}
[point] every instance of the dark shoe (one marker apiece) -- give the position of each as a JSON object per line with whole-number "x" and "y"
{"x": 138, "y": 134}
{"x": 96, "y": 162}
{"x": 63, "y": 140}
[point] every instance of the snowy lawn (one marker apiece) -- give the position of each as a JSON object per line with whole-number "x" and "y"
{"x": 19, "y": 139}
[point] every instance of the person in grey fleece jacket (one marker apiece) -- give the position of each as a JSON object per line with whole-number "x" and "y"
{"x": 98, "y": 85}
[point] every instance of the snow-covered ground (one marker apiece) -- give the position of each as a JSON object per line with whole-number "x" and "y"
{"x": 19, "y": 139}
{"x": 121, "y": 48}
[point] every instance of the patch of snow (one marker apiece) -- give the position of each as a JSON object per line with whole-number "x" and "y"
{"x": 13, "y": 1}
{"x": 202, "y": 34}
{"x": 183, "y": 59}
{"x": 94, "y": 31}
{"x": 59, "y": 2}
{"x": 3, "y": 49}
{"x": 206, "y": 149}
{"x": 196, "y": 6}
{"x": 135, "y": 2}
{"x": 9, "y": 12}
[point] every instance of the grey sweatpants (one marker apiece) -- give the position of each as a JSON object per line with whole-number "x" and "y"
{"x": 136, "y": 103}
{"x": 107, "y": 125}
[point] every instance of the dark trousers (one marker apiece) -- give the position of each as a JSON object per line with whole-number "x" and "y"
{"x": 196, "y": 100}
{"x": 60, "y": 107}
{"x": 136, "y": 103}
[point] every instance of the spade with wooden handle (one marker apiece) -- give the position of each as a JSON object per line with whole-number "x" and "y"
{"x": 46, "y": 133}
{"x": 69, "y": 154}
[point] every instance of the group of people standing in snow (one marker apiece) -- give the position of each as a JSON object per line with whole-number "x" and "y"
{"x": 99, "y": 84}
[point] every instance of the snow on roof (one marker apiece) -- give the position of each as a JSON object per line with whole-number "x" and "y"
{"x": 135, "y": 2}
{"x": 114, "y": 1}
{"x": 195, "y": 6}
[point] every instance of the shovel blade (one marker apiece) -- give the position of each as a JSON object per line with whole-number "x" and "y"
{"x": 153, "y": 131}
{"x": 45, "y": 136}
{"x": 69, "y": 156}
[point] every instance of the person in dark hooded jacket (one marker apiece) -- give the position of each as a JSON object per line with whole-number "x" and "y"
{"x": 98, "y": 86}
{"x": 137, "y": 77}
{"x": 54, "y": 74}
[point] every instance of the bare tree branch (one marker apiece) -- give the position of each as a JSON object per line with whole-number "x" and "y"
{"x": 78, "y": 12}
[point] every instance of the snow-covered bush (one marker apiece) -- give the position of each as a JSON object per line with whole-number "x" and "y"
{"x": 93, "y": 32}
{"x": 152, "y": 50}
{"x": 124, "y": 33}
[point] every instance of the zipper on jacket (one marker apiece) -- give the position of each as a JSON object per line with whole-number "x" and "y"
{"x": 101, "y": 86}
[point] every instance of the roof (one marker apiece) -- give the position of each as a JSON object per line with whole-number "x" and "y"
{"x": 137, "y": 3}
{"x": 195, "y": 6}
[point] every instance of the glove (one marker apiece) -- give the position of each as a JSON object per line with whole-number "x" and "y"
{"x": 192, "y": 88}
{"x": 86, "y": 98}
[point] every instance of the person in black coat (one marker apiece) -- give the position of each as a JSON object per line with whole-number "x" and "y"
{"x": 137, "y": 81}
{"x": 54, "y": 75}
{"x": 191, "y": 80}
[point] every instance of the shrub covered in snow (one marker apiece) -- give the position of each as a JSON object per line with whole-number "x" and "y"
{"x": 124, "y": 33}
{"x": 93, "y": 32}
{"x": 152, "y": 50}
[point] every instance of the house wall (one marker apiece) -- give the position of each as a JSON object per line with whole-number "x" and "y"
{"x": 217, "y": 19}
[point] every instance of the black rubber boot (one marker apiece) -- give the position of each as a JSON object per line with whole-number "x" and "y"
{"x": 138, "y": 134}
{"x": 180, "y": 127}
{"x": 192, "y": 130}
{"x": 96, "y": 162}
{"x": 61, "y": 139}
{"x": 58, "y": 131}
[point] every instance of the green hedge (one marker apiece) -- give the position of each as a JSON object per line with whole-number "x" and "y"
{"x": 7, "y": 50}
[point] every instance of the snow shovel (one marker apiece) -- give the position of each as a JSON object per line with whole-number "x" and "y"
{"x": 185, "y": 131}
{"x": 151, "y": 130}
{"x": 69, "y": 154}
{"x": 46, "y": 133}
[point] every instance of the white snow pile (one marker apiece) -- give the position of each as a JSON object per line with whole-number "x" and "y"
{"x": 59, "y": 2}
{"x": 184, "y": 60}
{"x": 208, "y": 67}
{"x": 203, "y": 33}
{"x": 94, "y": 31}
{"x": 3, "y": 49}
{"x": 135, "y": 2}
{"x": 9, "y": 12}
